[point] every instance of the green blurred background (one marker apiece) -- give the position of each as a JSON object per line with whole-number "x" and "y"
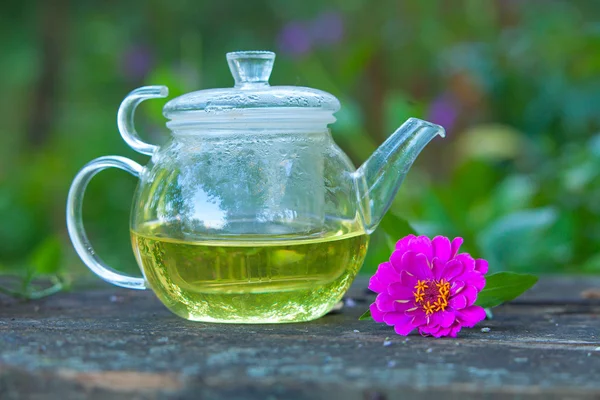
{"x": 516, "y": 84}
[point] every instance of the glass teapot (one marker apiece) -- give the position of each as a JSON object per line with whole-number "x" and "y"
{"x": 250, "y": 213}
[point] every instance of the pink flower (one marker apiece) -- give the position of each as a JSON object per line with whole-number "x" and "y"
{"x": 427, "y": 285}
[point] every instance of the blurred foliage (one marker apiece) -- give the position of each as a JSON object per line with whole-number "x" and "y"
{"x": 516, "y": 84}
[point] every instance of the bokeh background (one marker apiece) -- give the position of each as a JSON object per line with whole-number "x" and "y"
{"x": 516, "y": 84}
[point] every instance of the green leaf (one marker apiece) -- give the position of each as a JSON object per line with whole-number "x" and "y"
{"x": 47, "y": 257}
{"x": 503, "y": 287}
{"x": 365, "y": 316}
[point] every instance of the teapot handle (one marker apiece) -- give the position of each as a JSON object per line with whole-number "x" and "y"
{"x": 75, "y": 224}
{"x": 125, "y": 116}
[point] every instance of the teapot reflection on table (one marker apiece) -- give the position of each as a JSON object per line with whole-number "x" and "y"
{"x": 250, "y": 213}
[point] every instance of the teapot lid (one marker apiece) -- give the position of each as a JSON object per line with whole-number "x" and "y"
{"x": 252, "y": 97}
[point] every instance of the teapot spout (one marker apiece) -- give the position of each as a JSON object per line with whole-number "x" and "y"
{"x": 379, "y": 178}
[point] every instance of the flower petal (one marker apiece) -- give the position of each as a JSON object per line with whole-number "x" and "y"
{"x": 423, "y": 331}
{"x": 448, "y": 318}
{"x": 481, "y": 265}
{"x": 375, "y": 313}
{"x": 442, "y": 332}
{"x": 471, "y": 315}
{"x": 404, "y": 329}
{"x": 453, "y": 269}
{"x": 475, "y": 279}
{"x": 416, "y": 264}
{"x": 441, "y": 248}
{"x": 418, "y": 316}
{"x": 450, "y": 331}
{"x": 398, "y": 291}
{"x": 402, "y": 307}
{"x": 454, "y": 329}
{"x": 396, "y": 318}
{"x": 386, "y": 274}
{"x": 402, "y": 244}
{"x": 433, "y": 330}
{"x": 458, "y": 302}
{"x": 422, "y": 244}
{"x": 442, "y": 318}
{"x": 456, "y": 287}
{"x": 455, "y": 246}
{"x": 385, "y": 302}
{"x": 467, "y": 261}
{"x": 470, "y": 293}
{"x": 396, "y": 260}
{"x": 438, "y": 267}
{"x": 376, "y": 285}
{"x": 407, "y": 279}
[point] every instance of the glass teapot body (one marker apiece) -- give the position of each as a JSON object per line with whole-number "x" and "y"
{"x": 249, "y": 226}
{"x": 248, "y": 182}
{"x": 247, "y": 215}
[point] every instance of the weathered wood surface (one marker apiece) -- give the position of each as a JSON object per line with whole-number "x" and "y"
{"x": 113, "y": 343}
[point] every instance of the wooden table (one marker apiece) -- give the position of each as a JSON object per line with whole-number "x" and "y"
{"x": 107, "y": 342}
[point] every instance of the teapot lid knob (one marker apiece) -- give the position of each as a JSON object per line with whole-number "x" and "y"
{"x": 251, "y": 68}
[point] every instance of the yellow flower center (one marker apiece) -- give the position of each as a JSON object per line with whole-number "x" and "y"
{"x": 432, "y": 295}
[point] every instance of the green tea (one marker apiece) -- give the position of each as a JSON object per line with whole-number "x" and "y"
{"x": 265, "y": 279}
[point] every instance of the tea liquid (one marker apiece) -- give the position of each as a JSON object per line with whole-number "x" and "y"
{"x": 255, "y": 280}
